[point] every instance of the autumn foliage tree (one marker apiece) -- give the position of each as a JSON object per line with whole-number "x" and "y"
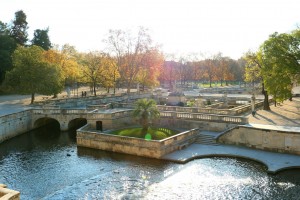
{"x": 130, "y": 52}
{"x": 32, "y": 73}
{"x": 151, "y": 66}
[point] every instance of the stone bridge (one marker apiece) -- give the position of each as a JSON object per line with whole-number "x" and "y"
{"x": 67, "y": 118}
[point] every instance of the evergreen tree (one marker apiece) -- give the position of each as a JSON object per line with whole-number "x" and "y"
{"x": 7, "y": 47}
{"x": 19, "y": 28}
{"x": 41, "y": 39}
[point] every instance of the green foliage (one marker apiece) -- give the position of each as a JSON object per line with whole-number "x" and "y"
{"x": 156, "y": 133}
{"x": 281, "y": 54}
{"x": 32, "y": 74}
{"x": 7, "y": 47}
{"x": 19, "y": 28}
{"x": 253, "y": 66}
{"x": 145, "y": 111}
{"x": 41, "y": 39}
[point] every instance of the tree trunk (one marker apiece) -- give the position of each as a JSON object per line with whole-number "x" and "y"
{"x": 266, "y": 99}
{"x": 144, "y": 131}
{"x": 32, "y": 98}
{"x": 94, "y": 89}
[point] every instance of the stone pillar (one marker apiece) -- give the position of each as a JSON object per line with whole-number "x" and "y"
{"x": 253, "y": 103}
{"x": 63, "y": 126}
{"x": 225, "y": 100}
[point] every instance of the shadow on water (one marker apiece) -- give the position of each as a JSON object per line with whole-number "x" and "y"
{"x": 119, "y": 157}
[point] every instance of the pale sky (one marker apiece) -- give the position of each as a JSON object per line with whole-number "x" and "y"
{"x": 180, "y": 26}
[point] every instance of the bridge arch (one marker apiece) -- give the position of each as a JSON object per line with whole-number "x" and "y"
{"x": 46, "y": 121}
{"x": 76, "y": 123}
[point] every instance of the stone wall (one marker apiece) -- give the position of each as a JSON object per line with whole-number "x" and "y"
{"x": 15, "y": 124}
{"x": 190, "y": 124}
{"x": 135, "y": 146}
{"x": 280, "y": 140}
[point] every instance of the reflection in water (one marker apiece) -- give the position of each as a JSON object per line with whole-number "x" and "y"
{"x": 38, "y": 165}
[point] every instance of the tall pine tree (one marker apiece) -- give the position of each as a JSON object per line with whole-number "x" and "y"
{"x": 19, "y": 29}
{"x": 41, "y": 39}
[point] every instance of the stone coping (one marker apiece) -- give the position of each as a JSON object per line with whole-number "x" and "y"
{"x": 8, "y": 194}
{"x": 273, "y": 127}
{"x": 274, "y": 162}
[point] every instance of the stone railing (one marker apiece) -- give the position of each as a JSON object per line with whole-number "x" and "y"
{"x": 58, "y": 111}
{"x": 99, "y": 107}
{"x": 7, "y": 194}
{"x": 114, "y": 115}
{"x": 196, "y": 110}
{"x": 100, "y": 99}
{"x": 135, "y": 146}
{"x": 233, "y": 111}
{"x": 244, "y": 108}
{"x": 205, "y": 117}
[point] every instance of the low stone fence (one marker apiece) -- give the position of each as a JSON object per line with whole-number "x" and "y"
{"x": 100, "y": 99}
{"x": 209, "y": 110}
{"x": 135, "y": 146}
{"x": 204, "y": 117}
{"x": 99, "y": 107}
{"x": 278, "y": 140}
{"x": 7, "y": 194}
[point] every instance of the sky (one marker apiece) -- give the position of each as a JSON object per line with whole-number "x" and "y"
{"x": 181, "y": 27}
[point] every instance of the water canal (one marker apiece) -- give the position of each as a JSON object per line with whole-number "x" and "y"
{"x": 46, "y": 164}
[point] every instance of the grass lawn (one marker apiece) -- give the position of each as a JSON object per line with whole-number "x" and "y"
{"x": 156, "y": 133}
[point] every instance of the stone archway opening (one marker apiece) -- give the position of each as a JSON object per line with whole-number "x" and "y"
{"x": 47, "y": 122}
{"x": 77, "y": 123}
{"x": 46, "y": 129}
{"x": 74, "y": 125}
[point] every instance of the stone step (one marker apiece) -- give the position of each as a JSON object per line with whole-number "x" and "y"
{"x": 206, "y": 139}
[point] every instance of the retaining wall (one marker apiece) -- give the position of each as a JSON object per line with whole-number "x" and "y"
{"x": 135, "y": 146}
{"x": 14, "y": 124}
{"x": 278, "y": 140}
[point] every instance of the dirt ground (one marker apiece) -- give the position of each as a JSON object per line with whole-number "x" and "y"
{"x": 285, "y": 114}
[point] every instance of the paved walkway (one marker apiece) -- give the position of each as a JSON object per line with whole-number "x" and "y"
{"x": 285, "y": 114}
{"x": 273, "y": 161}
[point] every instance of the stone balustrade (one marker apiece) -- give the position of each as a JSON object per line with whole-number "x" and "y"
{"x": 204, "y": 117}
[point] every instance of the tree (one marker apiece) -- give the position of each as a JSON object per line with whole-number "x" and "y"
{"x": 145, "y": 111}
{"x": 32, "y": 74}
{"x": 168, "y": 73}
{"x": 253, "y": 72}
{"x": 281, "y": 55}
{"x": 4, "y": 30}
{"x": 94, "y": 66}
{"x": 19, "y": 28}
{"x": 210, "y": 70}
{"x": 151, "y": 67}
{"x": 129, "y": 51}
{"x": 7, "y": 47}
{"x": 110, "y": 73}
{"x": 41, "y": 39}
{"x": 66, "y": 59}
